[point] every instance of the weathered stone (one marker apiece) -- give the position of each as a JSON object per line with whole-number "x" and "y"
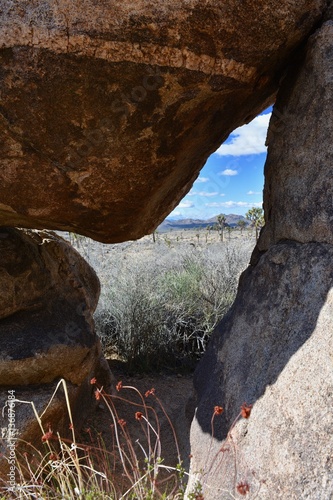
{"x": 109, "y": 110}
{"x": 274, "y": 349}
{"x": 48, "y": 294}
{"x": 298, "y": 173}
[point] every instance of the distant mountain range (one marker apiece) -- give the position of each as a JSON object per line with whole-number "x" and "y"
{"x": 181, "y": 224}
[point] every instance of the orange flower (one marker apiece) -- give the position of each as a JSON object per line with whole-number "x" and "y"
{"x": 243, "y": 488}
{"x": 218, "y": 410}
{"x": 151, "y": 392}
{"x": 246, "y": 410}
{"x": 119, "y": 386}
{"x": 138, "y": 415}
{"x": 93, "y": 381}
{"x": 97, "y": 395}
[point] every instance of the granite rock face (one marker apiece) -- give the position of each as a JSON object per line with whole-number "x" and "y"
{"x": 274, "y": 349}
{"x": 298, "y": 190}
{"x": 109, "y": 110}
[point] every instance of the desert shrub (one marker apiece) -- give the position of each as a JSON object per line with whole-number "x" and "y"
{"x": 160, "y": 305}
{"x": 161, "y": 301}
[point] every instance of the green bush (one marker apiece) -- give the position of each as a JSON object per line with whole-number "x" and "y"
{"x": 158, "y": 308}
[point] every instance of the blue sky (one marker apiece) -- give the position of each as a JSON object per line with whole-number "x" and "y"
{"x": 232, "y": 179}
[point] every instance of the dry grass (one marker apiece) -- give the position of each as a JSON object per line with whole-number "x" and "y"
{"x": 128, "y": 470}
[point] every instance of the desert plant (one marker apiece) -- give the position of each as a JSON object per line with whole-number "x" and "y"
{"x": 69, "y": 470}
{"x": 129, "y": 469}
{"x": 160, "y": 312}
{"x": 159, "y": 305}
{"x": 256, "y": 216}
{"x": 221, "y": 223}
{"x": 242, "y": 225}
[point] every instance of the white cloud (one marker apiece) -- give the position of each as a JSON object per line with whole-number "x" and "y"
{"x": 202, "y": 193}
{"x": 202, "y": 179}
{"x": 222, "y": 194}
{"x": 254, "y": 192}
{"x": 248, "y": 139}
{"x": 186, "y": 204}
{"x": 229, "y": 172}
{"x": 234, "y": 204}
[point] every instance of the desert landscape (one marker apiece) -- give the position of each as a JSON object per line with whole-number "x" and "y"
{"x": 113, "y": 117}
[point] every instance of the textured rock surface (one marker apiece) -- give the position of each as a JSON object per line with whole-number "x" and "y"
{"x": 109, "y": 110}
{"x": 48, "y": 294}
{"x": 274, "y": 349}
{"x": 298, "y": 173}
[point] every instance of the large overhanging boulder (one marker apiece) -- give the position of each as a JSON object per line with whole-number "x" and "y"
{"x": 110, "y": 109}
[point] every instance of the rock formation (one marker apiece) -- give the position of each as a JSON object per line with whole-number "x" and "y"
{"x": 48, "y": 294}
{"x": 113, "y": 108}
{"x": 274, "y": 349}
{"x": 108, "y": 110}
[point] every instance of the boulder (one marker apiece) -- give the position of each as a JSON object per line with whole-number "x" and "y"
{"x": 109, "y": 110}
{"x": 48, "y": 294}
{"x": 298, "y": 172}
{"x": 274, "y": 349}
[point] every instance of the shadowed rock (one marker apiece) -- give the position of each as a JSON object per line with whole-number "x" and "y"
{"x": 47, "y": 299}
{"x": 109, "y": 110}
{"x": 48, "y": 294}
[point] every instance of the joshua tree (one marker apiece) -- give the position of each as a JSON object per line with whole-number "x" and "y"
{"x": 256, "y": 216}
{"x": 241, "y": 224}
{"x": 208, "y": 230}
{"x": 221, "y": 222}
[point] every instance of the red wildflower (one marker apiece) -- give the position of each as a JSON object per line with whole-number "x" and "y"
{"x": 243, "y": 488}
{"x": 119, "y": 386}
{"x": 48, "y": 436}
{"x": 93, "y": 381}
{"x": 97, "y": 395}
{"x": 138, "y": 415}
{"x": 246, "y": 410}
{"x": 151, "y": 392}
{"x": 122, "y": 422}
{"x": 218, "y": 410}
{"x": 54, "y": 456}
